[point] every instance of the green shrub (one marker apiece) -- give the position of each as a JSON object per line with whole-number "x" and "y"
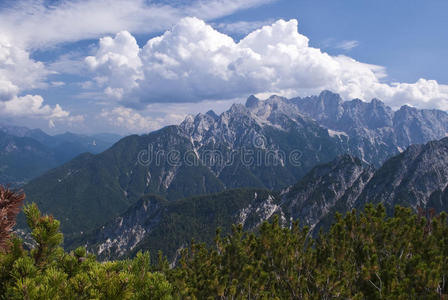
{"x": 364, "y": 255}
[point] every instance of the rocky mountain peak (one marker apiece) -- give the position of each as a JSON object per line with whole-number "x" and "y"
{"x": 212, "y": 114}
{"x": 374, "y": 131}
{"x": 327, "y": 106}
{"x": 237, "y": 109}
{"x": 327, "y": 94}
{"x": 252, "y": 102}
{"x": 372, "y": 115}
{"x": 414, "y": 126}
{"x": 376, "y": 101}
{"x": 329, "y": 99}
{"x": 274, "y": 110}
{"x": 407, "y": 109}
{"x": 187, "y": 124}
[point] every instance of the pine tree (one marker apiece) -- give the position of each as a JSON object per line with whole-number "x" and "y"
{"x": 47, "y": 272}
{"x": 365, "y": 255}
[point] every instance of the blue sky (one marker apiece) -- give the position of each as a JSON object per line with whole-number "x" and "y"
{"x": 86, "y": 66}
{"x": 410, "y": 38}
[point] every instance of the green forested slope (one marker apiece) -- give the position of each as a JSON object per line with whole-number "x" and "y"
{"x": 154, "y": 223}
{"x": 92, "y": 189}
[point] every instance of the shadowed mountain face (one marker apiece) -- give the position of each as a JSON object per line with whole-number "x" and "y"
{"x": 268, "y": 144}
{"x": 417, "y": 177}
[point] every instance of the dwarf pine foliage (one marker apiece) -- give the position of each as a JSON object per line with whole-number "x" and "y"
{"x": 365, "y": 255}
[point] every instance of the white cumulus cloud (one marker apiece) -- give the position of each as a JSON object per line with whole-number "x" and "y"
{"x": 192, "y": 62}
{"x": 117, "y": 63}
{"x": 31, "y": 105}
{"x": 17, "y": 70}
{"x": 133, "y": 121}
{"x": 18, "y": 73}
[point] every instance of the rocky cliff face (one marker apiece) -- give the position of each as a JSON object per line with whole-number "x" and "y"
{"x": 376, "y": 132}
{"x": 336, "y": 184}
{"x": 127, "y": 231}
{"x": 417, "y": 177}
{"x": 263, "y": 144}
{"x": 371, "y": 130}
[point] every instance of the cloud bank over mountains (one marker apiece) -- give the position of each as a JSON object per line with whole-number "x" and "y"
{"x": 30, "y": 25}
{"x": 192, "y": 62}
{"x": 117, "y": 81}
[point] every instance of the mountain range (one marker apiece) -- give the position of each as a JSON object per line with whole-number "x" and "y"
{"x": 268, "y": 144}
{"x": 321, "y": 154}
{"x": 418, "y": 178}
{"x": 26, "y": 153}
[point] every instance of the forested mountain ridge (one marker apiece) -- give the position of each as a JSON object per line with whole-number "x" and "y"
{"x": 339, "y": 186}
{"x": 157, "y": 224}
{"x": 91, "y": 189}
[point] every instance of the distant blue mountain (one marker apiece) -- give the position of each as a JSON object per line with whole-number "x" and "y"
{"x": 26, "y": 153}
